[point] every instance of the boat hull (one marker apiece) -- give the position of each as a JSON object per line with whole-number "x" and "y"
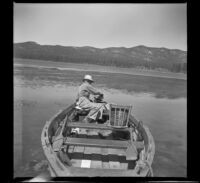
{"x": 59, "y": 169}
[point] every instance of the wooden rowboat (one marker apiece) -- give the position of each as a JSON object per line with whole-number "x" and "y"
{"x": 77, "y": 149}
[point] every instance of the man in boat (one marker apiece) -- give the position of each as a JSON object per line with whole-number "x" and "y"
{"x": 84, "y": 101}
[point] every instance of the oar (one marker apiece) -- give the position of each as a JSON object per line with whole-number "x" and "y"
{"x": 58, "y": 141}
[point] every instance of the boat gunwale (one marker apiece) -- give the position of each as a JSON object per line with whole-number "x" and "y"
{"x": 59, "y": 169}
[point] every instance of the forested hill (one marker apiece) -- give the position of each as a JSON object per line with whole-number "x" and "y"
{"x": 139, "y": 57}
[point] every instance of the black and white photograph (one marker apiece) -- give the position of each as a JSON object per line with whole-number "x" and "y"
{"x": 100, "y": 90}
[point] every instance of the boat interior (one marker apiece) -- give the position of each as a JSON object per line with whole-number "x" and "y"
{"x": 109, "y": 143}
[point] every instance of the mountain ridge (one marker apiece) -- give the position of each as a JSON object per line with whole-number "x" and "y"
{"x": 174, "y": 60}
{"x": 34, "y": 42}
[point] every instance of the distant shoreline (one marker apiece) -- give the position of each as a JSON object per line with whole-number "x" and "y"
{"x": 96, "y": 68}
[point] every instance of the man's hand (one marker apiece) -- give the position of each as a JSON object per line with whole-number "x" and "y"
{"x": 101, "y": 94}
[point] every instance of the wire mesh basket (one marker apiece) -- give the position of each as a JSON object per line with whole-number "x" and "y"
{"x": 119, "y": 115}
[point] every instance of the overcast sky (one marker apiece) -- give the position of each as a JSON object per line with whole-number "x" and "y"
{"x": 102, "y": 25}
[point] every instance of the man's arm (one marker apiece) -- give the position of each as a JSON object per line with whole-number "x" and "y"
{"x": 93, "y": 90}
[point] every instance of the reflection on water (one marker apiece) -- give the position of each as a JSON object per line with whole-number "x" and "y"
{"x": 34, "y": 104}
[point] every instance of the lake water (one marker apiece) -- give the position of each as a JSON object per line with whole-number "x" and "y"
{"x": 38, "y": 97}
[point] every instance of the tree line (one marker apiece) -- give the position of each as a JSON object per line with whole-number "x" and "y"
{"x": 99, "y": 59}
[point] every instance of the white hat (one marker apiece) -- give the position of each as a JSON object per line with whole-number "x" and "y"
{"x": 88, "y": 77}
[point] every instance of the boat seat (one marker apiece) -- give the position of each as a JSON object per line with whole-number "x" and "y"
{"x": 80, "y": 124}
{"x": 118, "y": 144}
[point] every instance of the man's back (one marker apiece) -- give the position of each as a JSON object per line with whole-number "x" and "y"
{"x": 85, "y": 89}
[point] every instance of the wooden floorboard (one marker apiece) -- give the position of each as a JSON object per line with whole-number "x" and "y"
{"x": 78, "y": 156}
{"x": 124, "y": 166}
{"x": 87, "y": 153}
{"x": 113, "y": 159}
{"x": 70, "y": 151}
{"x": 105, "y": 158}
{"x": 79, "y": 150}
{"x": 122, "y": 159}
{"x": 93, "y": 172}
{"x": 76, "y": 162}
{"x": 95, "y": 151}
{"x": 96, "y": 158}
{"x": 86, "y": 162}
{"x": 88, "y": 150}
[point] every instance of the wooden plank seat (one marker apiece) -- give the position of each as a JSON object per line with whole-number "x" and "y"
{"x": 93, "y": 126}
{"x": 118, "y": 144}
{"x": 94, "y": 172}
